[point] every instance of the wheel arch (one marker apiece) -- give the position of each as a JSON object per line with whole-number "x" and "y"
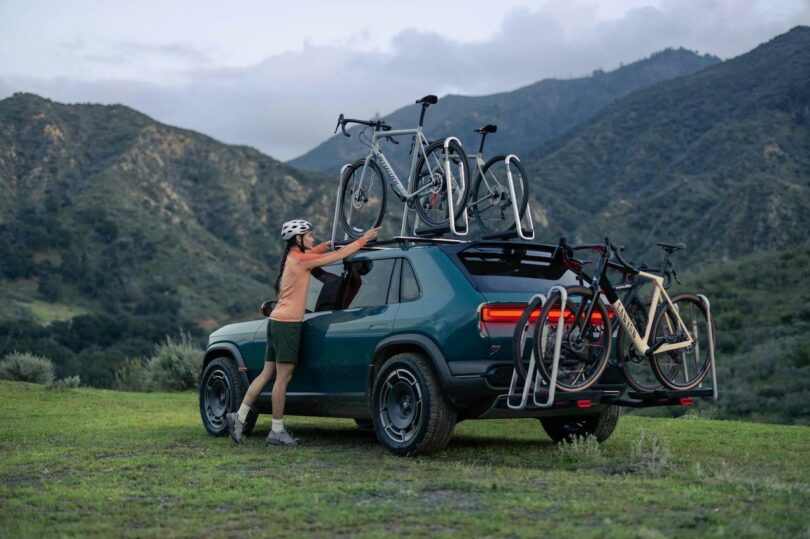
{"x": 228, "y": 350}
{"x": 407, "y": 342}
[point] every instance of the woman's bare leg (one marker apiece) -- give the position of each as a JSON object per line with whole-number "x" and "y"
{"x": 283, "y": 375}
{"x": 258, "y": 383}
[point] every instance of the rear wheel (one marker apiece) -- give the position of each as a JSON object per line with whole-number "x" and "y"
{"x": 683, "y": 368}
{"x": 410, "y": 414}
{"x": 432, "y": 178}
{"x": 222, "y": 390}
{"x": 491, "y": 201}
{"x": 584, "y": 351}
{"x": 601, "y": 426}
{"x": 362, "y": 197}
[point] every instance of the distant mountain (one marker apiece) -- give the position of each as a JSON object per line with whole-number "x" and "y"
{"x": 719, "y": 159}
{"x": 525, "y": 117}
{"x": 111, "y": 220}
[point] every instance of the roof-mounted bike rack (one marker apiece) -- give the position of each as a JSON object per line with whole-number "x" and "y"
{"x": 533, "y": 372}
{"x": 452, "y": 226}
{"x": 517, "y": 232}
{"x": 337, "y": 206}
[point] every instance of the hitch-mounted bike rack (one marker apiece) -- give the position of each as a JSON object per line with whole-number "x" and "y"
{"x": 555, "y": 363}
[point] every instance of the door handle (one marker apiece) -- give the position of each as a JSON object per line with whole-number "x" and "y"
{"x": 378, "y": 326}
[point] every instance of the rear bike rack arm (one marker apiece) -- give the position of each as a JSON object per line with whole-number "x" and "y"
{"x": 529, "y": 373}
{"x": 555, "y": 363}
{"x": 518, "y": 221}
{"x": 705, "y": 301}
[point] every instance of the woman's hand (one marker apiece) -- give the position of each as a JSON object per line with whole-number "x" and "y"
{"x": 371, "y": 234}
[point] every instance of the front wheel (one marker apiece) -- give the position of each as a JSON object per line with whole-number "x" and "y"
{"x": 435, "y": 170}
{"x": 221, "y": 391}
{"x": 410, "y": 414}
{"x": 362, "y": 197}
{"x": 584, "y": 348}
{"x": 491, "y": 201}
{"x": 683, "y": 368}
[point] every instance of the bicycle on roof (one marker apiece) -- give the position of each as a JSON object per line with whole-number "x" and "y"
{"x": 438, "y": 169}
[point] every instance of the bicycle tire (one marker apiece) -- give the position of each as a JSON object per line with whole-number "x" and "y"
{"x": 362, "y": 216}
{"x": 571, "y": 351}
{"x": 668, "y": 366}
{"x": 498, "y": 195}
{"x": 518, "y": 339}
{"x": 635, "y": 365}
{"x": 435, "y": 200}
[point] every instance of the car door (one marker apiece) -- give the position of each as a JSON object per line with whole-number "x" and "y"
{"x": 338, "y": 344}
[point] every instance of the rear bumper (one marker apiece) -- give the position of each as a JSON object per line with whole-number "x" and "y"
{"x": 479, "y": 389}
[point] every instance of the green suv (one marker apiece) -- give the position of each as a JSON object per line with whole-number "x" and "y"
{"x": 408, "y": 338}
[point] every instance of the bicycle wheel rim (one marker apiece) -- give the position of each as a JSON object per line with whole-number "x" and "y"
{"x": 684, "y": 368}
{"x": 362, "y": 198}
{"x": 581, "y": 363}
{"x": 432, "y": 203}
{"x": 491, "y": 199}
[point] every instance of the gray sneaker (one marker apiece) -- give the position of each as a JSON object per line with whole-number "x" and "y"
{"x": 235, "y": 427}
{"x": 284, "y": 437}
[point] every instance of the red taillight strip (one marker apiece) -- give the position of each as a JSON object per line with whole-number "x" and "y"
{"x": 511, "y": 314}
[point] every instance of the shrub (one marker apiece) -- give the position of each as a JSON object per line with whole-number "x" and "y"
{"x": 650, "y": 454}
{"x": 579, "y": 449}
{"x": 26, "y": 367}
{"x": 132, "y": 375}
{"x": 701, "y": 413}
{"x": 69, "y": 382}
{"x": 175, "y": 366}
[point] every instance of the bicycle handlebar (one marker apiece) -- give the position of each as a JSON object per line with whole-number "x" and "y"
{"x": 379, "y": 125}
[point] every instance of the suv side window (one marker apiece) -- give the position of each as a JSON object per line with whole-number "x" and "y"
{"x": 367, "y": 283}
{"x": 409, "y": 286}
{"x": 324, "y": 288}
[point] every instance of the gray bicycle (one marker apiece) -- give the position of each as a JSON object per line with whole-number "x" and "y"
{"x": 437, "y": 181}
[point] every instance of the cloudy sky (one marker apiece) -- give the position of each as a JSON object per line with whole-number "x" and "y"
{"x": 275, "y": 74}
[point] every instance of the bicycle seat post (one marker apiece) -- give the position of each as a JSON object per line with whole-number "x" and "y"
{"x": 481, "y": 147}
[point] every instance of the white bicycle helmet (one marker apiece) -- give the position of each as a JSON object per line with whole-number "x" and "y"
{"x": 294, "y": 227}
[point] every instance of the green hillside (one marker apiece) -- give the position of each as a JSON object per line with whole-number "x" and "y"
{"x": 117, "y": 229}
{"x": 102, "y": 463}
{"x": 719, "y": 159}
{"x": 526, "y": 117}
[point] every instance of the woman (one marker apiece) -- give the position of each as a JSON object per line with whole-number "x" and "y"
{"x": 284, "y": 325}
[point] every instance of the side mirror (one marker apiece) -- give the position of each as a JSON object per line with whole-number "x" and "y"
{"x": 267, "y": 307}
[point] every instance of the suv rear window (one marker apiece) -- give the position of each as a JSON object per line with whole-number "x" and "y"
{"x": 513, "y": 269}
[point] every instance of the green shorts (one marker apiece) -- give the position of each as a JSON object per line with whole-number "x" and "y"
{"x": 283, "y": 341}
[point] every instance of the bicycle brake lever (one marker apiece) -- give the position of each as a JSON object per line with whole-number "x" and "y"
{"x": 392, "y": 140}
{"x": 339, "y": 122}
{"x": 675, "y": 276}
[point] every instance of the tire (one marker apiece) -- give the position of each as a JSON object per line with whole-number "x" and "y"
{"x": 358, "y": 214}
{"x": 432, "y": 203}
{"x": 490, "y": 201}
{"x": 582, "y": 361}
{"x": 221, "y": 391}
{"x": 685, "y": 368}
{"x": 635, "y": 366}
{"x": 365, "y": 424}
{"x": 562, "y": 429}
{"x": 410, "y": 414}
{"x": 520, "y": 352}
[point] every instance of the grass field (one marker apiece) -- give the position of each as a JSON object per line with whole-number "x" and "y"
{"x": 103, "y": 463}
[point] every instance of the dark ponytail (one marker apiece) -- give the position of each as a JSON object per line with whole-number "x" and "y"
{"x": 295, "y": 241}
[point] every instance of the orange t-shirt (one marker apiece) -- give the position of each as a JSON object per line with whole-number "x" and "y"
{"x": 294, "y": 286}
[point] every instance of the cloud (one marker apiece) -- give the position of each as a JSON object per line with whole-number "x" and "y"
{"x": 288, "y": 103}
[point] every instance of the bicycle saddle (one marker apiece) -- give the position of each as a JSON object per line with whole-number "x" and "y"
{"x": 428, "y": 100}
{"x": 487, "y": 129}
{"x": 672, "y": 247}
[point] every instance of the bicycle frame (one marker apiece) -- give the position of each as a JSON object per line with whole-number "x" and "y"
{"x": 420, "y": 143}
{"x": 601, "y": 285}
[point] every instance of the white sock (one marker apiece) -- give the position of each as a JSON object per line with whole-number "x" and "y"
{"x": 278, "y": 425}
{"x": 243, "y": 412}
